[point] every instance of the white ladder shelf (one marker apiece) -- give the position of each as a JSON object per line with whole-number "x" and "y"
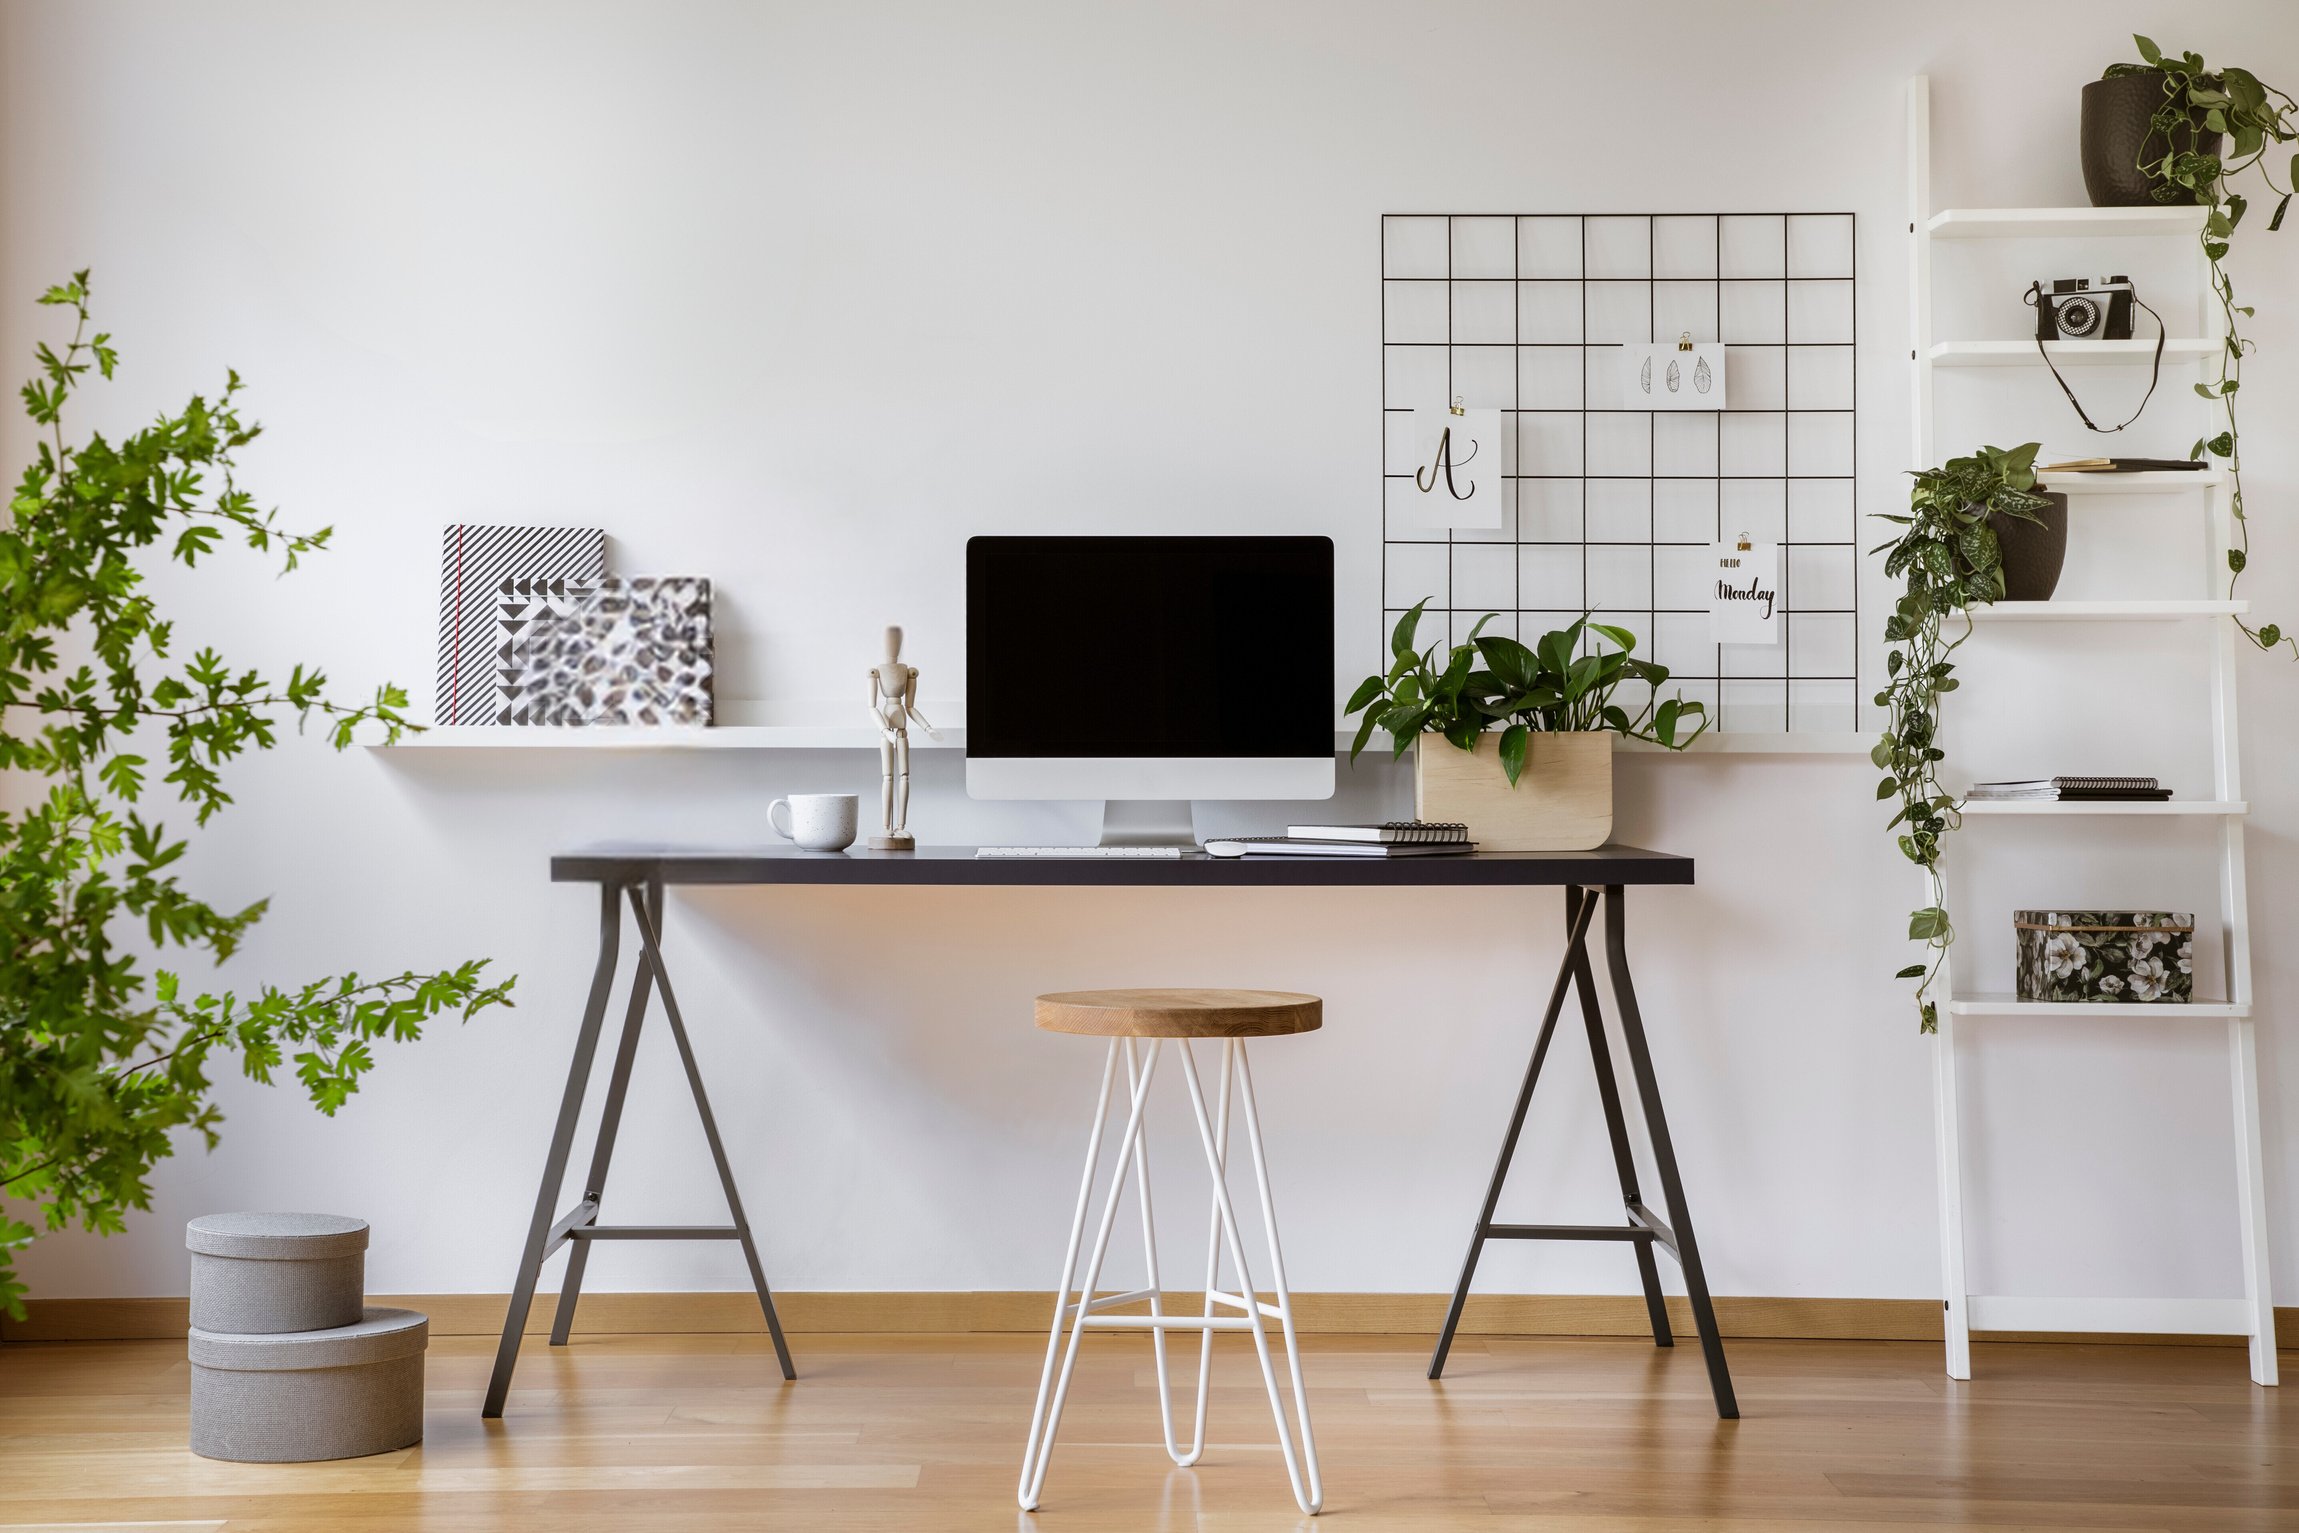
{"x": 2253, "y": 1316}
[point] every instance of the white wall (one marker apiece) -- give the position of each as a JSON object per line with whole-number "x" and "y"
{"x": 799, "y": 297}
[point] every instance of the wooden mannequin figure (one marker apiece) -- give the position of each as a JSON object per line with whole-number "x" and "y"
{"x": 894, "y": 703}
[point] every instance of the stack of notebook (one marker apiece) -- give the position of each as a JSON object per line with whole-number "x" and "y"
{"x": 2067, "y": 790}
{"x": 1392, "y": 838}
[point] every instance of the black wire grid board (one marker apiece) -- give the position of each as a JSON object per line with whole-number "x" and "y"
{"x": 1611, "y": 507}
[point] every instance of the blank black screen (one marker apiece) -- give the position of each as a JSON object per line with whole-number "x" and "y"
{"x": 1149, "y": 647}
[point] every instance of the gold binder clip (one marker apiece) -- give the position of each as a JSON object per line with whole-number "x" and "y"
{"x": 1744, "y": 543}
{"x": 1684, "y": 341}
{"x": 1457, "y": 410}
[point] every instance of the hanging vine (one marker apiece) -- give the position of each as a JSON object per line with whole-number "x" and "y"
{"x": 1948, "y": 560}
{"x": 2250, "y": 115}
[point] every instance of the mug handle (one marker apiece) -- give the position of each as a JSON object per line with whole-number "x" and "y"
{"x": 780, "y": 828}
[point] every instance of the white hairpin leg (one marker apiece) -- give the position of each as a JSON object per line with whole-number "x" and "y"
{"x": 1316, "y": 1496}
{"x": 1310, "y": 1496}
{"x": 1149, "y": 1255}
{"x": 1053, "y": 1392}
{"x": 1212, "y": 1245}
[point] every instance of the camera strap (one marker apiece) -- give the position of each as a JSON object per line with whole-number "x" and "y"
{"x": 2034, "y": 298}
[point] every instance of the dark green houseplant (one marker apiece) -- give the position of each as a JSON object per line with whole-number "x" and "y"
{"x": 2181, "y": 166}
{"x": 102, "y": 1061}
{"x": 1948, "y": 559}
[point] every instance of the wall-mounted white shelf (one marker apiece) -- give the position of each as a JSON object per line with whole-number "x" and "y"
{"x": 2151, "y": 482}
{"x": 2105, "y": 611}
{"x": 2062, "y": 223}
{"x": 2179, "y": 349}
{"x": 2005, "y": 1006}
{"x": 618, "y": 737}
{"x": 826, "y": 737}
{"x": 2190, "y": 807}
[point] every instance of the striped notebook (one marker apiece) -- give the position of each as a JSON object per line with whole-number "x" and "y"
{"x": 474, "y": 564}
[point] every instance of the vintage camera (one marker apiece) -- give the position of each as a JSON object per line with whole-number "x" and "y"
{"x": 2083, "y": 309}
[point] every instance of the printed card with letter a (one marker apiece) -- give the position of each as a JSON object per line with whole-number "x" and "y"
{"x": 1456, "y": 467}
{"x": 1744, "y": 600}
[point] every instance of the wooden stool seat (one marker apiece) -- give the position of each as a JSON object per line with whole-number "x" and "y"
{"x": 1180, "y": 1013}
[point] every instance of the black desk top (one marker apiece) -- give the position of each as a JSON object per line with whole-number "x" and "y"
{"x": 959, "y": 865}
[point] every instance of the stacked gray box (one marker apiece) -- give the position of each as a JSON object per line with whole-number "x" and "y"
{"x": 287, "y": 1363}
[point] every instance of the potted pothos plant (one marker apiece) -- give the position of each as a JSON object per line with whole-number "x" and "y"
{"x": 2154, "y": 132}
{"x": 1948, "y": 559}
{"x": 1530, "y": 728}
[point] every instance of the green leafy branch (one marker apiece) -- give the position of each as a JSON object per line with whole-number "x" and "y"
{"x": 101, "y": 1066}
{"x": 1948, "y": 560}
{"x": 2250, "y": 115}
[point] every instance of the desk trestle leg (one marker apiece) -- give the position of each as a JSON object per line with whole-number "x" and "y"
{"x": 1643, "y": 1229}
{"x": 579, "y": 1226}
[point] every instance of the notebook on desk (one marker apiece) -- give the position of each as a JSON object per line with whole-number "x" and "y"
{"x": 1304, "y": 846}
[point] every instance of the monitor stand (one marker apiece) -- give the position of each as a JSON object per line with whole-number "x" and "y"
{"x": 1149, "y": 822}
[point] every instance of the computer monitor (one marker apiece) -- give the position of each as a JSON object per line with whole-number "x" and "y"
{"x": 1157, "y": 669}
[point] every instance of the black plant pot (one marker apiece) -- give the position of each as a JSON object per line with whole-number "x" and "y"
{"x": 2118, "y": 136}
{"x": 2033, "y": 552}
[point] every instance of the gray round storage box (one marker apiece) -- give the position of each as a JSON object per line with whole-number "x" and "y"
{"x": 259, "y": 1273}
{"x": 340, "y": 1393}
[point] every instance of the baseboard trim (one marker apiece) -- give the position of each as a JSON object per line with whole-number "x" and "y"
{"x": 736, "y": 1313}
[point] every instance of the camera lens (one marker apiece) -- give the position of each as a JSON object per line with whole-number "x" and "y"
{"x": 2077, "y": 316}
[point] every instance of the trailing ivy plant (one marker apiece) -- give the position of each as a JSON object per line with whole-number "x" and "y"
{"x": 2251, "y": 115}
{"x": 1550, "y": 687}
{"x": 1948, "y": 561}
{"x": 102, "y": 1063}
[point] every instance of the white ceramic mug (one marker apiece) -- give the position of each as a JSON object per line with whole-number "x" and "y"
{"x": 820, "y": 822}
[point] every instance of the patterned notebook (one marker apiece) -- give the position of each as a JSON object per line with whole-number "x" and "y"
{"x": 474, "y": 562}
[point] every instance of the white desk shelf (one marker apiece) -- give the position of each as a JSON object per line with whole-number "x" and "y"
{"x": 619, "y": 737}
{"x": 1931, "y": 360}
{"x": 2193, "y": 808}
{"x": 2176, "y": 351}
{"x": 2062, "y": 223}
{"x": 832, "y": 737}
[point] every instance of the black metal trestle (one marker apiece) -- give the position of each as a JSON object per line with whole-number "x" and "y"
{"x": 1643, "y": 1229}
{"x": 579, "y": 1228}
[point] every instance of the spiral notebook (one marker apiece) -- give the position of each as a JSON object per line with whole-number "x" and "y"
{"x": 1387, "y": 833}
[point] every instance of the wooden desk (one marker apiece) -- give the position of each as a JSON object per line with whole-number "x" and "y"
{"x": 636, "y": 878}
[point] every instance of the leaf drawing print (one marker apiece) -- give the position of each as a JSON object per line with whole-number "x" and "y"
{"x": 1701, "y": 377}
{"x": 1644, "y": 376}
{"x": 1675, "y": 378}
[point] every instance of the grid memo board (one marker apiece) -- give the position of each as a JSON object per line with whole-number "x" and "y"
{"x": 1611, "y": 507}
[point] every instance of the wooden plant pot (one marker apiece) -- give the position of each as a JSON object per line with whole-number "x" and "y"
{"x": 1561, "y": 803}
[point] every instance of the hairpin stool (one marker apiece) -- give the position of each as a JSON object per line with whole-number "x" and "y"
{"x": 1155, "y": 1018}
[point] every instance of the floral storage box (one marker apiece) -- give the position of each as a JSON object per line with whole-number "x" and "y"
{"x": 2105, "y": 955}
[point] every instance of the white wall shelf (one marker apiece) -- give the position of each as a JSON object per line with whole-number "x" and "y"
{"x": 2006, "y": 1006}
{"x": 2253, "y": 1316}
{"x": 2151, "y": 482}
{"x": 2176, "y": 351}
{"x": 800, "y": 737}
{"x": 2062, "y": 223}
{"x": 725, "y": 737}
{"x": 2105, "y": 611}
{"x": 2190, "y": 807}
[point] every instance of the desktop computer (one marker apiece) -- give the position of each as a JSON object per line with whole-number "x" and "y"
{"x": 1148, "y": 672}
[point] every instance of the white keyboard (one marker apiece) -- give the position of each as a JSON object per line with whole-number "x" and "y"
{"x": 1154, "y": 853}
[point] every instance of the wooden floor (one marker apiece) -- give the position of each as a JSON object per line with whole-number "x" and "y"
{"x": 679, "y": 1434}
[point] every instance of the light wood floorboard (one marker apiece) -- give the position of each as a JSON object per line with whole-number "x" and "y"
{"x": 697, "y": 1433}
